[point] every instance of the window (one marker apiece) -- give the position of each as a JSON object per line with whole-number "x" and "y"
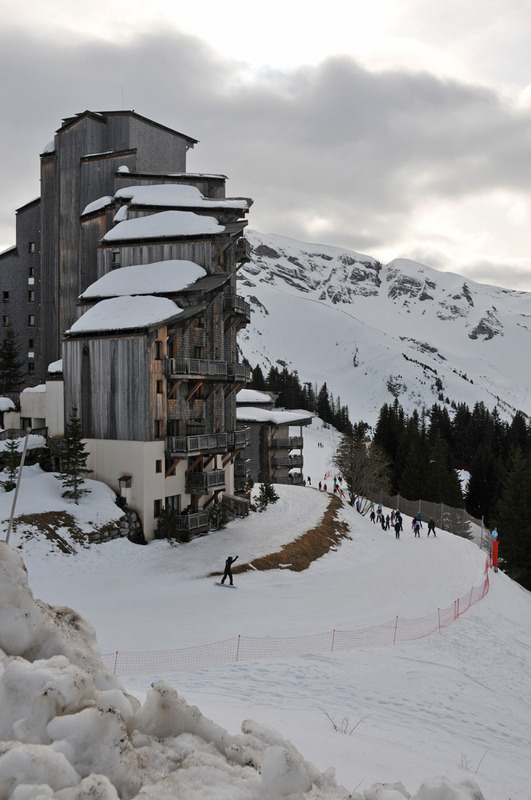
{"x": 31, "y": 272}
{"x": 158, "y": 465}
{"x": 31, "y": 320}
{"x": 116, "y": 258}
{"x": 5, "y": 297}
{"x": 31, "y": 247}
{"x": 174, "y": 501}
{"x": 31, "y": 296}
{"x": 25, "y": 422}
{"x": 31, "y": 367}
{"x": 158, "y": 350}
{"x": 198, "y": 352}
{"x": 5, "y": 320}
{"x": 159, "y": 387}
{"x": 200, "y": 322}
{"x": 31, "y": 343}
{"x": 157, "y": 507}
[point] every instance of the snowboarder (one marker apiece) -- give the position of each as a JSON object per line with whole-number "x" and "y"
{"x": 431, "y": 526}
{"x": 228, "y": 569}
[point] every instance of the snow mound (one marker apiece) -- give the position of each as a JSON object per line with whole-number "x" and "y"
{"x": 68, "y": 729}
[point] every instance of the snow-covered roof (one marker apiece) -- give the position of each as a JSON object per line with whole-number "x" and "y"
{"x": 36, "y": 389}
{"x": 253, "y": 396}
{"x": 274, "y": 416}
{"x": 175, "y": 194}
{"x": 126, "y": 313}
{"x": 98, "y": 204}
{"x": 160, "y": 277}
{"x": 165, "y": 224}
{"x": 56, "y": 366}
{"x": 6, "y": 404}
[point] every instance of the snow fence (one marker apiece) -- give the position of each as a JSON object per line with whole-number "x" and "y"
{"x": 249, "y": 648}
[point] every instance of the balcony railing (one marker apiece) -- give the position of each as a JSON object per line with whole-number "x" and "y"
{"x": 290, "y": 443}
{"x": 20, "y": 433}
{"x": 237, "y": 440}
{"x": 187, "y": 445}
{"x": 233, "y": 304}
{"x": 242, "y": 468}
{"x": 294, "y": 480}
{"x": 243, "y": 250}
{"x": 196, "y": 368}
{"x": 195, "y": 522}
{"x": 239, "y": 372}
{"x": 289, "y": 461}
{"x": 204, "y": 482}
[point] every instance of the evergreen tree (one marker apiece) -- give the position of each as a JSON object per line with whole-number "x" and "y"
{"x": 73, "y": 459}
{"x": 484, "y": 484}
{"x": 11, "y": 464}
{"x": 363, "y": 465}
{"x": 257, "y": 379}
{"x": 513, "y": 512}
{"x": 10, "y": 363}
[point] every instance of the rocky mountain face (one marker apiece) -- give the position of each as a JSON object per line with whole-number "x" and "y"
{"x": 376, "y": 332}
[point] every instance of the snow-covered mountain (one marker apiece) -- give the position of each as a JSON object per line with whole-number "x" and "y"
{"x": 374, "y": 332}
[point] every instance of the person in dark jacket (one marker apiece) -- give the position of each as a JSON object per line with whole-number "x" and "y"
{"x": 431, "y": 527}
{"x": 397, "y": 528}
{"x": 228, "y": 569}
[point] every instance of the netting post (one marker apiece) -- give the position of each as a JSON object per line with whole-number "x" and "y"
{"x": 115, "y": 661}
{"x": 396, "y": 626}
{"x": 238, "y": 647}
{"x": 333, "y": 639}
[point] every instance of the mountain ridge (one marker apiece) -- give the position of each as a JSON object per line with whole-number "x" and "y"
{"x": 375, "y": 332}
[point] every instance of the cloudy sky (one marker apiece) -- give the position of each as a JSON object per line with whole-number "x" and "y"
{"x": 394, "y": 128}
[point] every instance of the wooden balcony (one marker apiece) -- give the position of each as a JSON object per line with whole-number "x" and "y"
{"x": 242, "y": 468}
{"x": 237, "y": 306}
{"x": 196, "y": 522}
{"x": 239, "y": 372}
{"x": 238, "y": 440}
{"x": 242, "y": 250}
{"x": 179, "y": 446}
{"x": 291, "y": 462}
{"x": 198, "y": 368}
{"x": 288, "y": 443}
{"x": 205, "y": 482}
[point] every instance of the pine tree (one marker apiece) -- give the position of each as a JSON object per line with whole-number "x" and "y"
{"x": 362, "y": 465}
{"x": 11, "y": 464}
{"x": 10, "y": 363}
{"x": 513, "y": 512}
{"x": 73, "y": 459}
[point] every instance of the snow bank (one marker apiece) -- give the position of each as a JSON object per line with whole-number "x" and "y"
{"x": 68, "y": 730}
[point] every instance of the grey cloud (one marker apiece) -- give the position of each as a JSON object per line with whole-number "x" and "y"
{"x": 357, "y": 150}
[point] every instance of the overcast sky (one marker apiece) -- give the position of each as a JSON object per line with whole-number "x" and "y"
{"x": 397, "y": 128}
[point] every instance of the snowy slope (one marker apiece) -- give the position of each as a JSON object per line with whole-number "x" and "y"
{"x": 455, "y": 704}
{"x": 374, "y": 332}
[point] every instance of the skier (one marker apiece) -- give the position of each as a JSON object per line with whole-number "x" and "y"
{"x": 372, "y": 515}
{"x": 228, "y": 569}
{"x": 431, "y": 526}
{"x": 416, "y": 528}
{"x": 398, "y": 518}
{"x": 397, "y": 530}
{"x": 419, "y": 518}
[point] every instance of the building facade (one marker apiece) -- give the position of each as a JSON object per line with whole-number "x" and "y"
{"x": 134, "y": 268}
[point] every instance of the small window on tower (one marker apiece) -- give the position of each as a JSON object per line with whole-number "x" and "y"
{"x": 31, "y": 247}
{"x": 116, "y": 258}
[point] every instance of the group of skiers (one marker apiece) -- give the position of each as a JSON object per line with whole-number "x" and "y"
{"x": 394, "y": 519}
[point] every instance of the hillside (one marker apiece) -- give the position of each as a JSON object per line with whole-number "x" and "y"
{"x": 377, "y": 332}
{"x": 455, "y": 703}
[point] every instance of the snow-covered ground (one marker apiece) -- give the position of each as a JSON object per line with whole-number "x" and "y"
{"x": 456, "y": 703}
